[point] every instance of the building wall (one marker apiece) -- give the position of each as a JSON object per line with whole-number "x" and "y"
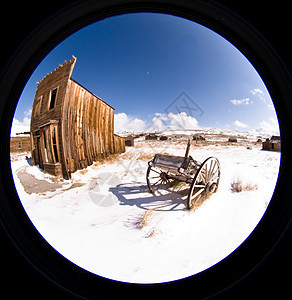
{"x": 20, "y": 144}
{"x": 88, "y": 128}
{"x": 271, "y": 146}
{"x": 119, "y": 144}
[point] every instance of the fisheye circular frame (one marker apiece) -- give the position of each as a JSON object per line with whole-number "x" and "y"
{"x": 49, "y": 34}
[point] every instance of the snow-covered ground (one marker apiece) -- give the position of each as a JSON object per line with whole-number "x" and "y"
{"x": 106, "y": 222}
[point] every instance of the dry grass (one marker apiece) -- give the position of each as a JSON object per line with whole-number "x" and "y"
{"x": 148, "y": 156}
{"x": 83, "y": 171}
{"x": 74, "y": 185}
{"x": 238, "y": 186}
{"x": 153, "y": 232}
{"x": 179, "y": 187}
{"x": 143, "y": 155}
{"x": 107, "y": 160}
{"x": 144, "y": 219}
{"x": 200, "y": 200}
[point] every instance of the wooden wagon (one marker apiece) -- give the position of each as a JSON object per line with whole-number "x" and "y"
{"x": 202, "y": 179}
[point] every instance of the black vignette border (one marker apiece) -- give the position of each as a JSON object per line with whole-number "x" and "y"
{"x": 16, "y": 53}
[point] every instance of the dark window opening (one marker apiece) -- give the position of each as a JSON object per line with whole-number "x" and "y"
{"x": 53, "y": 98}
{"x": 19, "y": 145}
{"x": 45, "y": 146}
{"x": 55, "y": 147}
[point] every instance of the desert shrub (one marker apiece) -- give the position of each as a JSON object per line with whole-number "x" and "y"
{"x": 144, "y": 219}
{"x": 238, "y": 186}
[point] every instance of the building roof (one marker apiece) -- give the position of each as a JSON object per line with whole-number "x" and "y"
{"x": 60, "y": 66}
{"x": 275, "y": 138}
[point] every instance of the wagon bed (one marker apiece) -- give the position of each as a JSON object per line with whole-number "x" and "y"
{"x": 175, "y": 163}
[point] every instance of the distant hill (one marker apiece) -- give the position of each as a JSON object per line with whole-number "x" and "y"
{"x": 211, "y": 134}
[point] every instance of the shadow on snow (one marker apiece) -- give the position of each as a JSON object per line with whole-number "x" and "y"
{"x": 137, "y": 194}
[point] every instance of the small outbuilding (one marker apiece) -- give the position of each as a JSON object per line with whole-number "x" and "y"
{"x": 272, "y": 144}
{"x": 129, "y": 141}
{"x": 198, "y": 138}
{"x": 151, "y": 136}
{"x": 163, "y": 138}
{"x": 20, "y": 143}
{"x": 232, "y": 140}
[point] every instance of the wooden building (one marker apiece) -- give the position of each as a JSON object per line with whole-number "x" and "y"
{"x": 20, "y": 144}
{"x": 163, "y": 138}
{"x": 198, "y": 138}
{"x": 70, "y": 127}
{"x": 130, "y": 141}
{"x": 151, "y": 136}
{"x": 272, "y": 144}
{"x": 232, "y": 140}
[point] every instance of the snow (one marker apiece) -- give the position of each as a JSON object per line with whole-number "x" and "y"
{"x": 96, "y": 219}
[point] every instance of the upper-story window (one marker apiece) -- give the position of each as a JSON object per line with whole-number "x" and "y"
{"x": 37, "y": 109}
{"x": 53, "y": 96}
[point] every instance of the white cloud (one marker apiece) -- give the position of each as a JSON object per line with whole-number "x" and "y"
{"x": 182, "y": 120}
{"x": 123, "y": 122}
{"x": 245, "y": 101}
{"x": 240, "y": 124}
{"x": 172, "y": 121}
{"x": 271, "y": 127}
{"x": 159, "y": 122}
{"x": 27, "y": 113}
{"x": 20, "y": 126}
{"x": 259, "y": 93}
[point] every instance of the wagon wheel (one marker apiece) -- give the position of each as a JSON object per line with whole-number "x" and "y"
{"x": 158, "y": 180}
{"x": 205, "y": 182}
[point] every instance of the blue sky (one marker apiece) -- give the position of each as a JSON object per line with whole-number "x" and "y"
{"x": 157, "y": 69}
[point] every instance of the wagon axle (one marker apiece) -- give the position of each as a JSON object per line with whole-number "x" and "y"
{"x": 210, "y": 187}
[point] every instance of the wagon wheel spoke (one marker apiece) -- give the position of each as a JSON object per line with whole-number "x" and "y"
{"x": 198, "y": 193}
{"x": 214, "y": 175}
{"x": 155, "y": 183}
{"x": 209, "y": 171}
{"x": 205, "y": 173}
{"x": 157, "y": 180}
{"x": 213, "y": 169}
{"x": 200, "y": 185}
{"x": 214, "y": 179}
{"x": 168, "y": 182}
{"x": 152, "y": 177}
{"x": 214, "y": 166}
{"x": 155, "y": 171}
